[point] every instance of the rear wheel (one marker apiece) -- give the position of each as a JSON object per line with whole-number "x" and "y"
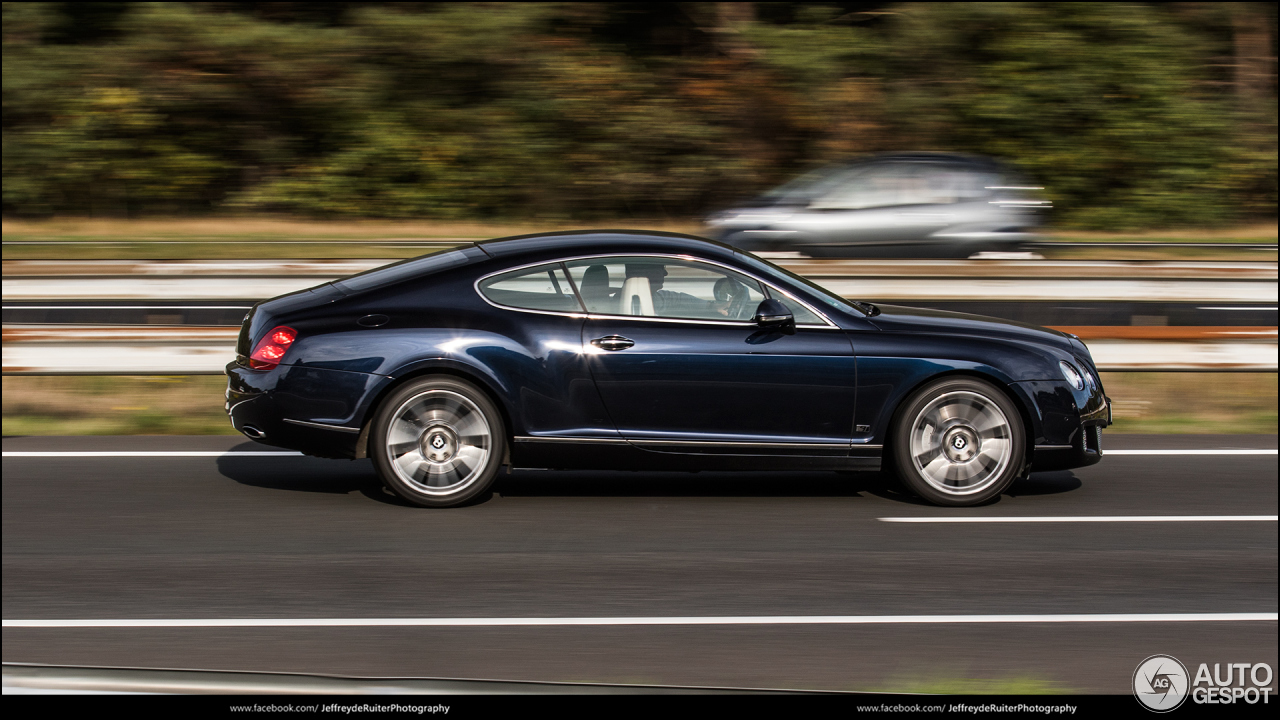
{"x": 958, "y": 441}
{"x": 437, "y": 441}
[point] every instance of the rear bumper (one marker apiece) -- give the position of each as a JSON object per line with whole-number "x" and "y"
{"x": 313, "y": 410}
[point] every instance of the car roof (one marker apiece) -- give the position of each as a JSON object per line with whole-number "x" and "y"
{"x": 976, "y": 161}
{"x": 590, "y": 242}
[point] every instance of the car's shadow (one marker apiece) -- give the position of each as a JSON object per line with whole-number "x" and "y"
{"x": 306, "y": 474}
{"x": 316, "y": 475}
{"x": 744, "y": 484}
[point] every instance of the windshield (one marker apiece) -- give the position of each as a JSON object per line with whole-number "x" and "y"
{"x": 822, "y": 294}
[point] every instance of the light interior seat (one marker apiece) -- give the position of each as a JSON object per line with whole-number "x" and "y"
{"x": 636, "y": 297}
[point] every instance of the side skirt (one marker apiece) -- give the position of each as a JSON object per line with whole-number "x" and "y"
{"x": 619, "y": 454}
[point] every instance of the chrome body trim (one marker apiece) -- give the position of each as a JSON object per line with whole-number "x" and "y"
{"x": 737, "y": 443}
{"x": 232, "y": 408}
{"x": 602, "y": 316}
{"x": 1055, "y": 447}
{"x": 570, "y": 440}
{"x": 322, "y": 426}
{"x": 693, "y": 443}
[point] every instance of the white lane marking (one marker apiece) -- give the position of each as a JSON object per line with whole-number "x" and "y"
{"x": 1084, "y": 518}
{"x": 157, "y": 453}
{"x": 127, "y": 307}
{"x": 1106, "y": 452}
{"x": 291, "y": 453}
{"x": 695, "y": 620}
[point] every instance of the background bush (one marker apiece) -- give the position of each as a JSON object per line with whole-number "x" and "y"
{"x": 1134, "y": 115}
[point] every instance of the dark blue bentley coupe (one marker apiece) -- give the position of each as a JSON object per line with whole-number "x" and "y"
{"x": 642, "y": 350}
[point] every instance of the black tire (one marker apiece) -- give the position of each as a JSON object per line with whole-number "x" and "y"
{"x": 958, "y": 442}
{"x": 437, "y": 441}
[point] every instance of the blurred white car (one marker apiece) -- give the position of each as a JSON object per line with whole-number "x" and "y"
{"x": 900, "y": 205}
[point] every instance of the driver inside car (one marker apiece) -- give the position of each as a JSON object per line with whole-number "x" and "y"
{"x": 672, "y": 303}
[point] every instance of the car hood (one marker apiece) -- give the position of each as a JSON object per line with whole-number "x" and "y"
{"x": 896, "y": 318}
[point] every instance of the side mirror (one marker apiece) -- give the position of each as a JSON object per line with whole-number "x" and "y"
{"x": 773, "y": 315}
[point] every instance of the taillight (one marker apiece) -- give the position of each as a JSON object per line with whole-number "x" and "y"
{"x": 272, "y": 348}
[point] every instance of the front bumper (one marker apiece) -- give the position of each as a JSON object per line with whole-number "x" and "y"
{"x": 1070, "y": 424}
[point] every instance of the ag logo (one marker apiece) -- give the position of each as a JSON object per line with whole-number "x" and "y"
{"x": 437, "y": 442}
{"x": 1160, "y": 683}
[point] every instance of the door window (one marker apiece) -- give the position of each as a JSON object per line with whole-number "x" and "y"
{"x": 802, "y": 314}
{"x": 540, "y": 288}
{"x": 665, "y": 287}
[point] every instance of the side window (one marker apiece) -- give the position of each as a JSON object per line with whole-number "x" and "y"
{"x": 881, "y": 186}
{"x": 662, "y": 287}
{"x": 802, "y": 314}
{"x": 541, "y": 288}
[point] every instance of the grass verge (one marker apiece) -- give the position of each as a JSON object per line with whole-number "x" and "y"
{"x": 1145, "y": 402}
{"x": 259, "y": 238}
{"x": 115, "y": 405}
{"x": 1019, "y": 685}
{"x": 1173, "y": 403}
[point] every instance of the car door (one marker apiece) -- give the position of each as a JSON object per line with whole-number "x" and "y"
{"x": 681, "y": 367}
{"x": 536, "y": 340}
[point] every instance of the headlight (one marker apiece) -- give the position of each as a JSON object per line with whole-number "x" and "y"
{"x": 1071, "y": 374}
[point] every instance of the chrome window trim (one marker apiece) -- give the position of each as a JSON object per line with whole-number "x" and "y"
{"x": 583, "y": 314}
{"x": 322, "y": 426}
{"x": 602, "y": 316}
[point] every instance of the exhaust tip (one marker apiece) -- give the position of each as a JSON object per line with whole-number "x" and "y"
{"x": 252, "y": 432}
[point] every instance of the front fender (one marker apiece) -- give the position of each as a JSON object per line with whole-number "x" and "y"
{"x": 892, "y": 366}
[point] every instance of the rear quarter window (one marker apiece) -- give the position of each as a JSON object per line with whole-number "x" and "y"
{"x": 545, "y": 287}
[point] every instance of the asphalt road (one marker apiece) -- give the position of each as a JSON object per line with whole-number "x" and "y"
{"x": 293, "y": 537}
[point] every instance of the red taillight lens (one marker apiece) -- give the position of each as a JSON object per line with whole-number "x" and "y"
{"x": 272, "y": 347}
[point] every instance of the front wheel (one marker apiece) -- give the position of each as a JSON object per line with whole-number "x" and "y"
{"x": 437, "y": 442}
{"x": 958, "y": 441}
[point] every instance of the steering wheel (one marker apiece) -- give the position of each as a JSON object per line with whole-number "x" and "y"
{"x": 734, "y": 293}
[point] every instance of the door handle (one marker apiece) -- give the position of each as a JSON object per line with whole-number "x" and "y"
{"x": 613, "y": 342}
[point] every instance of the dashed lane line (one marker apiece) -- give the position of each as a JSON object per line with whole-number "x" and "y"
{"x": 153, "y": 453}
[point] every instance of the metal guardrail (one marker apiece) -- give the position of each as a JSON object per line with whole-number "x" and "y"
{"x": 1157, "y": 245}
{"x": 64, "y": 349}
{"x": 886, "y": 281}
{"x": 1000, "y": 268}
{"x": 100, "y": 350}
{"x": 449, "y": 242}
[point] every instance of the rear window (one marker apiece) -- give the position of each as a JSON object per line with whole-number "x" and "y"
{"x": 408, "y": 269}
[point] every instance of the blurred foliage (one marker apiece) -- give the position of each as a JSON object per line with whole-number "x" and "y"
{"x": 115, "y": 405}
{"x": 1129, "y": 114}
